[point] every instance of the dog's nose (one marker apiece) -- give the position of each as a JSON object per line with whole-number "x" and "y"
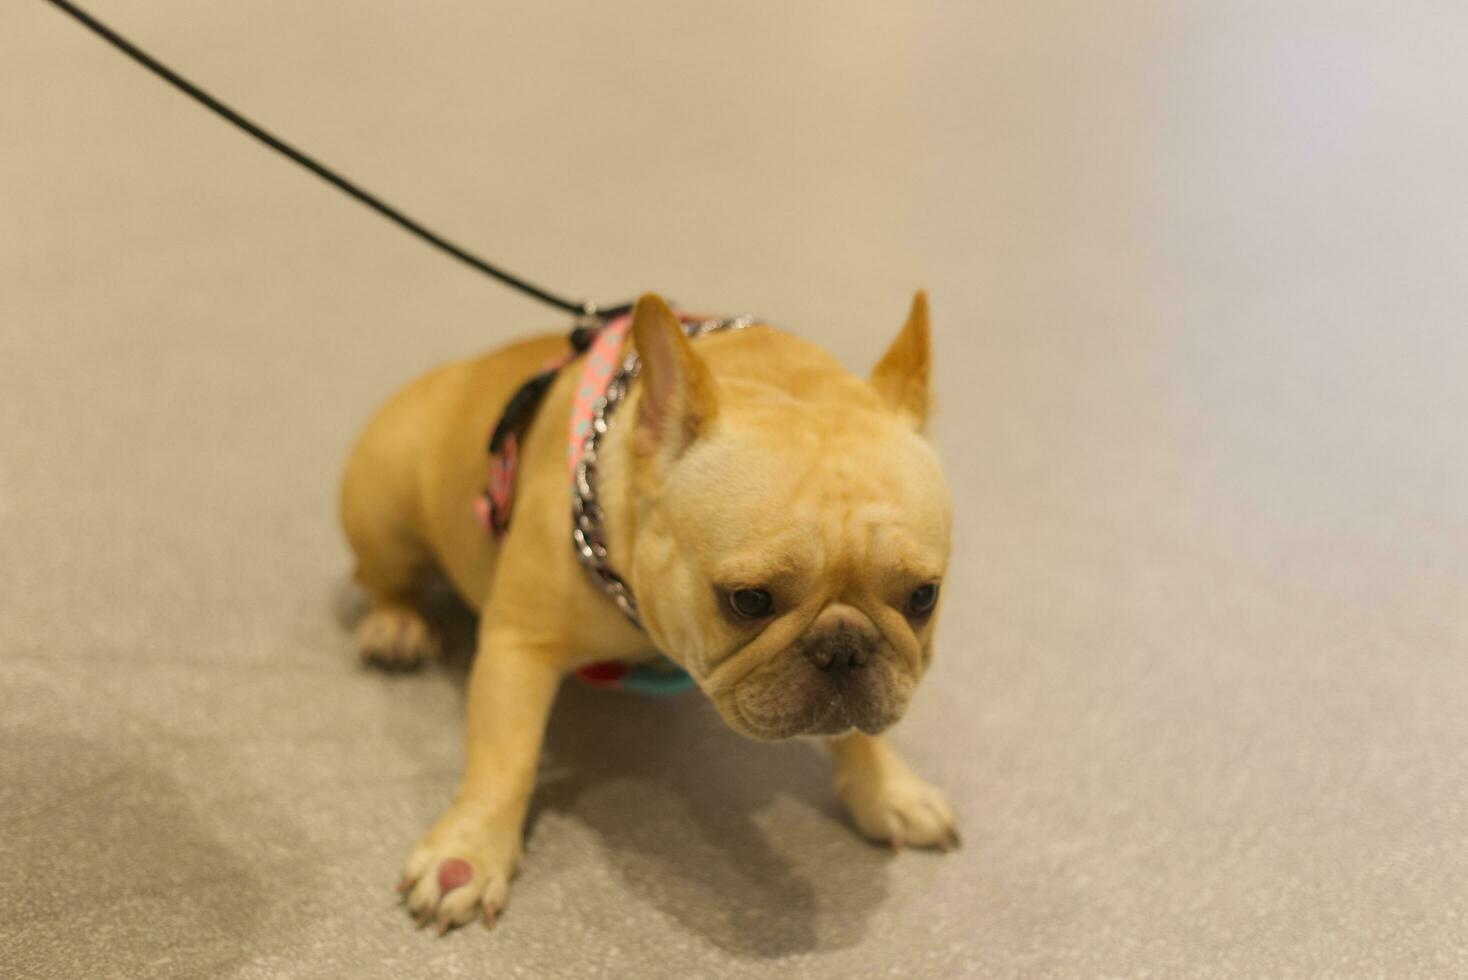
{"x": 840, "y": 651}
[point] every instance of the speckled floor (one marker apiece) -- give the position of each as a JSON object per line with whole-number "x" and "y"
{"x": 1199, "y": 275}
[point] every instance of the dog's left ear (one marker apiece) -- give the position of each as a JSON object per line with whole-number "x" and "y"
{"x": 901, "y": 377}
{"x": 678, "y": 397}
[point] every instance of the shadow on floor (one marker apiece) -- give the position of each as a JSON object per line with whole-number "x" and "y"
{"x": 739, "y": 842}
{"x": 113, "y": 873}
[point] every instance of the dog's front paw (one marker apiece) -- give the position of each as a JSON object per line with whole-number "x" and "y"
{"x": 395, "y": 637}
{"x": 892, "y": 804}
{"x": 461, "y": 869}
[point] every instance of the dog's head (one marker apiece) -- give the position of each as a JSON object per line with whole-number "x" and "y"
{"x": 791, "y": 523}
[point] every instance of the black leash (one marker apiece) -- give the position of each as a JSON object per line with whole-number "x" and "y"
{"x": 589, "y": 311}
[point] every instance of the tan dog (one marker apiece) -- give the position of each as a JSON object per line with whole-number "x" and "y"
{"x": 783, "y": 525}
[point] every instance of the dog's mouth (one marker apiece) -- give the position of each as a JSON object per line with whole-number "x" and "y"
{"x": 784, "y": 700}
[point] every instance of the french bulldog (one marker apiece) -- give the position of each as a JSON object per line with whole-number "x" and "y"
{"x": 783, "y": 524}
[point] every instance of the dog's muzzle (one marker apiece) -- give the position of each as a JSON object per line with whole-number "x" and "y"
{"x": 839, "y": 675}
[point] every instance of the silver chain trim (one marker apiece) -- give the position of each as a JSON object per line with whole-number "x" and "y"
{"x": 587, "y": 518}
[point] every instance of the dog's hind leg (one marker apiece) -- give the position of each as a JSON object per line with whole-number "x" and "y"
{"x": 394, "y": 634}
{"x": 378, "y": 508}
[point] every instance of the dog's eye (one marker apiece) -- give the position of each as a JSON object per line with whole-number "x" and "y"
{"x": 923, "y": 599}
{"x": 751, "y": 603}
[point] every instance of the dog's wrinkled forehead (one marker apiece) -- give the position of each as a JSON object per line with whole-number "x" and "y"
{"x": 860, "y": 494}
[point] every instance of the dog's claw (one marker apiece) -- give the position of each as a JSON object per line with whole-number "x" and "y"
{"x": 491, "y": 915}
{"x": 900, "y": 830}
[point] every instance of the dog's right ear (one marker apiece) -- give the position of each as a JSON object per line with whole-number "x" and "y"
{"x": 679, "y": 399}
{"x": 901, "y": 377}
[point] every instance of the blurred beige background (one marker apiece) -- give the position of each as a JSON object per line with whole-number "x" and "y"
{"x": 1199, "y": 272}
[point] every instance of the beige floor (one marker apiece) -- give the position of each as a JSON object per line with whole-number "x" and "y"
{"x": 1200, "y": 275}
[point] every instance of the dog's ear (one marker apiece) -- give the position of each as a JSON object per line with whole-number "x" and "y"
{"x": 679, "y": 400}
{"x": 901, "y": 377}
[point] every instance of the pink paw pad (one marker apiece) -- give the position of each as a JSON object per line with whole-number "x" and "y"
{"x": 454, "y": 873}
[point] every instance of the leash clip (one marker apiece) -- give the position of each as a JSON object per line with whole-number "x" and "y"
{"x": 586, "y": 327}
{"x": 590, "y": 321}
